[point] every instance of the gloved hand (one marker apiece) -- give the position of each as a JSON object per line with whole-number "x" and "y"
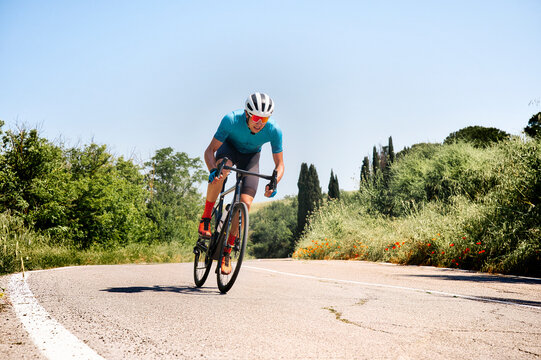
{"x": 272, "y": 185}
{"x": 213, "y": 174}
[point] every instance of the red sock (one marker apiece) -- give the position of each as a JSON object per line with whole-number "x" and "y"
{"x": 208, "y": 209}
{"x": 231, "y": 242}
{"x": 232, "y": 239}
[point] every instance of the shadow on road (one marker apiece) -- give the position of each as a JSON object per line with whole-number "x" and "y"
{"x": 483, "y": 278}
{"x": 157, "y": 288}
{"x": 490, "y": 279}
{"x": 507, "y": 300}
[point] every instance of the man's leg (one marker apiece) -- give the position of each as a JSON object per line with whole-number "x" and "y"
{"x": 247, "y": 199}
{"x": 213, "y": 190}
{"x": 234, "y": 231}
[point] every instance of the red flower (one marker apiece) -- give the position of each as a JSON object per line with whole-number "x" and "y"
{"x": 482, "y": 251}
{"x": 394, "y": 247}
{"x": 478, "y": 243}
{"x": 443, "y": 252}
{"x": 456, "y": 264}
{"x": 452, "y": 245}
{"x": 387, "y": 249}
{"x": 427, "y": 244}
{"x": 463, "y": 238}
{"x": 433, "y": 252}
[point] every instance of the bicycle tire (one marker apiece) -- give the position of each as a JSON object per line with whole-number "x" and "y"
{"x": 203, "y": 258}
{"x": 225, "y": 282}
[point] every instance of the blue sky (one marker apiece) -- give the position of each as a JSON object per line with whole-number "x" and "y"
{"x": 345, "y": 75}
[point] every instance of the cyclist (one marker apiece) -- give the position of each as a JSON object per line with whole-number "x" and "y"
{"x": 239, "y": 137}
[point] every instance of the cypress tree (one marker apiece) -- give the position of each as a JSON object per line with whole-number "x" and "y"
{"x": 336, "y": 186}
{"x": 315, "y": 196}
{"x": 334, "y": 189}
{"x": 375, "y": 163}
{"x": 365, "y": 170}
{"x": 389, "y": 159}
{"x": 302, "y": 210}
{"x": 391, "y": 150}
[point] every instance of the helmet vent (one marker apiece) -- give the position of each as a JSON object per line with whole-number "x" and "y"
{"x": 254, "y": 100}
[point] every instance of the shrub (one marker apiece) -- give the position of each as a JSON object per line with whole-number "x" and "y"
{"x": 453, "y": 205}
{"x": 272, "y": 229}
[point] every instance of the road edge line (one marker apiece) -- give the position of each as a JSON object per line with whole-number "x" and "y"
{"x": 467, "y": 297}
{"x": 49, "y": 336}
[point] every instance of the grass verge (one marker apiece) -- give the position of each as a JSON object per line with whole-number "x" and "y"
{"x": 21, "y": 249}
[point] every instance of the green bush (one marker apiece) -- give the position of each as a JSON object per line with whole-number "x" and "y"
{"x": 457, "y": 169}
{"x": 478, "y": 136}
{"x": 56, "y": 201}
{"x": 453, "y": 205}
{"x": 272, "y": 229}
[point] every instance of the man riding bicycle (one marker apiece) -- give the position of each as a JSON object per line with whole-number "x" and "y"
{"x": 239, "y": 138}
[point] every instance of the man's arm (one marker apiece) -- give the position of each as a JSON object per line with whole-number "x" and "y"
{"x": 279, "y": 167}
{"x": 210, "y": 159}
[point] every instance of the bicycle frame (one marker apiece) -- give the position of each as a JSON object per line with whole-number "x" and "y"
{"x": 236, "y": 198}
{"x": 219, "y": 246}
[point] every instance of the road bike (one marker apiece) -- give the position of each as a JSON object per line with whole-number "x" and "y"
{"x": 233, "y": 219}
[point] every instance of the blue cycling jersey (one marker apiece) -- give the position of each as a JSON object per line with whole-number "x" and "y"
{"x": 234, "y": 129}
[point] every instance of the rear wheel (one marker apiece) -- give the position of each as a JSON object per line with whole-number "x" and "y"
{"x": 236, "y": 250}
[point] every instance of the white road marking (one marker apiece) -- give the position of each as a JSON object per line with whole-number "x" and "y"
{"x": 476, "y": 298}
{"x": 51, "y": 338}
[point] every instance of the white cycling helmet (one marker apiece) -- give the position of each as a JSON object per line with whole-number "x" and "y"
{"x": 259, "y": 104}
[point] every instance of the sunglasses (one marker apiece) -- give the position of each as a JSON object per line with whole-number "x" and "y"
{"x": 256, "y": 119}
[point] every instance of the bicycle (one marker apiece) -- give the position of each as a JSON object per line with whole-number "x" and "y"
{"x": 217, "y": 246}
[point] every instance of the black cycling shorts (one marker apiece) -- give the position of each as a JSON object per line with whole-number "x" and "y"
{"x": 248, "y": 162}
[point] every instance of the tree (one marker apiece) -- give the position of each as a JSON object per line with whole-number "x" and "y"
{"x": 534, "y": 126}
{"x": 375, "y": 162}
{"x": 79, "y": 196}
{"x": 365, "y": 170}
{"x": 108, "y": 205}
{"x": 334, "y": 188}
{"x": 391, "y": 150}
{"x": 478, "y": 136}
{"x": 388, "y": 157}
{"x": 303, "y": 198}
{"x": 34, "y": 180}
{"x": 175, "y": 202}
{"x": 315, "y": 196}
{"x": 309, "y": 195}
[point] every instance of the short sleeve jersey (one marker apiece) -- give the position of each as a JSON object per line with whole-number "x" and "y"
{"x": 233, "y": 129}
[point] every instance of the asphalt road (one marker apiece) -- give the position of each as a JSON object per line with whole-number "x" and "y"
{"x": 284, "y": 309}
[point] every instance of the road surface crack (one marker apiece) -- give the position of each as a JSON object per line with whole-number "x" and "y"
{"x": 340, "y": 318}
{"x": 527, "y": 352}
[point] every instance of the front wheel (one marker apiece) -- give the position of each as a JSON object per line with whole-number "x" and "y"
{"x": 238, "y": 226}
{"x": 203, "y": 257}
{"x": 202, "y": 262}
